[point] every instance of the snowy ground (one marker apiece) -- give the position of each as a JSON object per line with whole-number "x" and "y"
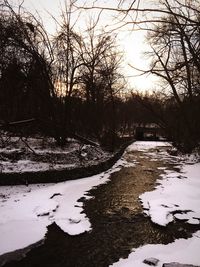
{"x": 41, "y": 154}
{"x": 177, "y": 195}
{"x": 27, "y": 211}
{"x": 185, "y": 251}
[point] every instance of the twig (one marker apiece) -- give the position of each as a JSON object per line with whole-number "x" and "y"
{"x": 21, "y": 138}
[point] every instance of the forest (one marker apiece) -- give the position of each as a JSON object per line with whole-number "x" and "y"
{"x": 71, "y": 85}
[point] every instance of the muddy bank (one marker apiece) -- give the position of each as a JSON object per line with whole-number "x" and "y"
{"x": 54, "y": 176}
{"x": 118, "y": 222}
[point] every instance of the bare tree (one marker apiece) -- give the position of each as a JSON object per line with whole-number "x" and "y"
{"x": 173, "y": 35}
{"x": 175, "y": 58}
{"x": 67, "y": 45}
{"x": 100, "y": 77}
{"x": 25, "y": 65}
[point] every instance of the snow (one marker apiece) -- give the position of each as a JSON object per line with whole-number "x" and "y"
{"x": 185, "y": 251}
{"x": 144, "y": 146}
{"x": 31, "y": 166}
{"x": 18, "y": 234}
{"x": 177, "y": 195}
{"x": 16, "y": 156}
{"x": 27, "y": 211}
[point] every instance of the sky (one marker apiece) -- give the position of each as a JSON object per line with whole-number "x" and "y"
{"x": 131, "y": 42}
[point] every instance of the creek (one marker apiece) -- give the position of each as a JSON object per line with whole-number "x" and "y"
{"x": 117, "y": 218}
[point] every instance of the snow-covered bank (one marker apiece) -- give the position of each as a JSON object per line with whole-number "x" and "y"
{"x": 31, "y": 209}
{"x": 19, "y": 155}
{"x": 52, "y": 164}
{"x": 177, "y": 195}
{"x": 185, "y": 251}
{"x": 27, "y": 211}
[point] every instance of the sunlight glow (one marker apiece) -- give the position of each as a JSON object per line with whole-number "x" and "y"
{"x": 132, "y": 43}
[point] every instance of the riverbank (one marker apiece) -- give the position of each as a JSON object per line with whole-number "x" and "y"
{"x": 54, "y": 165}
{"x": 98, "y": 220}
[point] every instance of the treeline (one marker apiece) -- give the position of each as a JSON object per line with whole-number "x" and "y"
{"x": 175, "y": 54}
{"x": 71, "y": 83}
{"x": 173, "y": 31}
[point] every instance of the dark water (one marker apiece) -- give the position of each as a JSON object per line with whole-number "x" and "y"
{"x": 118, "y": 225}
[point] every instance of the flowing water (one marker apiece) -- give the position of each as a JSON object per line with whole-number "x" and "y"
{"x": 118, "y": 223}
